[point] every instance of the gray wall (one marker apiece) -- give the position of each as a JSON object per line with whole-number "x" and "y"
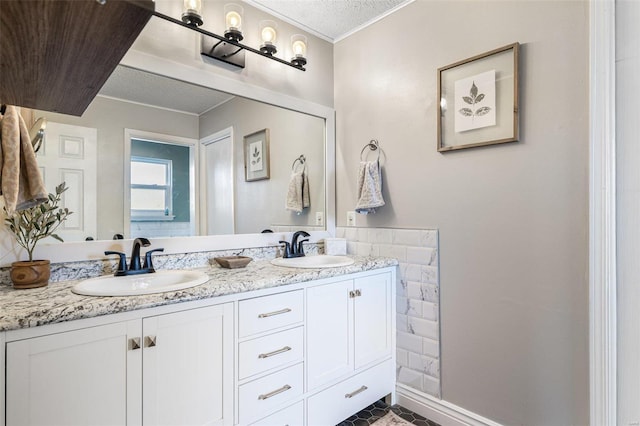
{"x": 628, "y": 199}
{"x": 111, "y": 117}
{"x": 291, "y": 134}
{"x": 513, "y": 218}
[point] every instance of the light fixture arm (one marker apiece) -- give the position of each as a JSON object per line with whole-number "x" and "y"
{"x": 240, "y": 46}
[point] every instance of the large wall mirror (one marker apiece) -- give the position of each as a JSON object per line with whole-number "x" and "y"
{"x": 168, "y": 160}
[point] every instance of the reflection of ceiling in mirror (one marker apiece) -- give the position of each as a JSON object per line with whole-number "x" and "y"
{"x": 151, "y": 89}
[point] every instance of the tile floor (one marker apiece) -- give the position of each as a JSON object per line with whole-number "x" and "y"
{"x": 379, "y": 409}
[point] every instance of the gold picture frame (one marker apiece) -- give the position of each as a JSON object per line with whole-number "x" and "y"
{"x": 256, "y": 156}
{"x": 478, "y": 100}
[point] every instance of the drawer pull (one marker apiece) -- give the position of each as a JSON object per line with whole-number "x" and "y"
{"x": 270, "y": 314}
{"x": 355, "y": 392}
{"x": 279, "y": 351}
{"x": 274, "y": 393}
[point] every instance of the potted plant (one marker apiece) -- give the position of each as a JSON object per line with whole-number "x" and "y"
{"x": 30, "y": 226}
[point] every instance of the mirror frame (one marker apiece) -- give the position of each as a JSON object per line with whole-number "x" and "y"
{"x": 94, "y": 250}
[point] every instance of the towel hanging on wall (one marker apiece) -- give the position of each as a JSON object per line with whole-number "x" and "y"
{"x": 369, "y": 182}
{"x": 298, "y": 197}
{"x": 20, "y": 179}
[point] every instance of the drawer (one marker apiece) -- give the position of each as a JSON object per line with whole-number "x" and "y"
{"x": 270, "y": 312}
{"x": 259, "y": 397}
{"x": 351, "y": 395}
{"x": 290, "y": 416}
{"x": 268, "y": 352}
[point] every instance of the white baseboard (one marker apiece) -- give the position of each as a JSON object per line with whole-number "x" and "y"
{"x": 437, "y": 410}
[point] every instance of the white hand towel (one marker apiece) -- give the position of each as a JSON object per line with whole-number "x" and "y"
{"x": 20, "y": 179}
{"x": 369, "y": 187}
{"x": 298, "y": 192}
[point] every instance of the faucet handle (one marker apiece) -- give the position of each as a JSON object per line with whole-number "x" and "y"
{"x": 147, "y": 260}
{"x": 301, "y": 248}
{"x": 122, "y": 263}
{"x": 287, "y": 249}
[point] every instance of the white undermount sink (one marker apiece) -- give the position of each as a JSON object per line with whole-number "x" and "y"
{"x": 132, "y": 285}
{"x": 319, "y": 261}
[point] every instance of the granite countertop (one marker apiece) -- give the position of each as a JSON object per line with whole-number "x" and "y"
{"x": 56, "y": 303}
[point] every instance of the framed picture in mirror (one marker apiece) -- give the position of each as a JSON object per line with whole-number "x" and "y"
{"x": 478, "y": 100}
{"x": 256, "y": 155}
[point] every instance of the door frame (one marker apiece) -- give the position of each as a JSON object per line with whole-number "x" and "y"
{"x": 192, "y": 144}
{"x": 602, "y": 215}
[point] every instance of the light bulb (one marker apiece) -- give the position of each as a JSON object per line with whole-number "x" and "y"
{"x": 268, "y": 34}
{"x": 192, "y": 12}
{"x": 298, "y": 48}
{"x": 193, "y": 5}
{"x": 233, "y": 20}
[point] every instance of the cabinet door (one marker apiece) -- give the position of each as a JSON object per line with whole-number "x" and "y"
{"x": 188, "y": 367}
{"x": 72, "y": 378}
{"x": 373, "y": 310}
{"x": 329, "y": 332}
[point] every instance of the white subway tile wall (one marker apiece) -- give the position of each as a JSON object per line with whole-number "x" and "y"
{"x": 418, "y": 313}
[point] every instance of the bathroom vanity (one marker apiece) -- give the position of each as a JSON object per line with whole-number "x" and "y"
{"x": 262, "y": 345}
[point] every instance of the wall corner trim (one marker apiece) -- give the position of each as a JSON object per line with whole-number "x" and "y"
{"x": 438, "y": 410}
{"x": 602, "y": 215}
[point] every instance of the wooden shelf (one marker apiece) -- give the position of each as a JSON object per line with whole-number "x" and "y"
{"x": 56, "y": 55}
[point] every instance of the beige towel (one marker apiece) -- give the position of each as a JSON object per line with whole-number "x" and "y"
{"x": 20, "y": 180}
{"x": 298, "y": 192}
{"x": 369, "y": 187}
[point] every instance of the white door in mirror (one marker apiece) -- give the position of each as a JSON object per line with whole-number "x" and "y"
{"x": 320, "y": 261}
{"x": 131, "y": 285}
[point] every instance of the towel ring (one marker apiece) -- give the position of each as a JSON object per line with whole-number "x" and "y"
{"x": 300, "y": 159}
{"x": 373, "y": 145}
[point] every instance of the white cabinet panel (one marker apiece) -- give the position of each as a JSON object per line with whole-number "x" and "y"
{"x": 266, "y": 313}
{"x": 72, "y": 378}
{"x": 269, "y": 352}
{"x": 329, "y": 332}
{"x": 290, "y": 416}
{"x": 338, "y": 402}
{"x": 187, "y": 362}
{"x": 373, "y": 311}
{"x": 259, "y": 397}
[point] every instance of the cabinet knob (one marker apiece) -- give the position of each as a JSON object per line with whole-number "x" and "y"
{"x": 134, "y": 343}
{"x": 149, "y": 341}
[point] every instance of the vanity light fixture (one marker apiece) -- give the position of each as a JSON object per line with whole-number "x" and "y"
{"x": 268, "y": 34}
{"x": 227, "y": 48}
{"x": 299, "y": 47}
{"x": 192, "y": 13}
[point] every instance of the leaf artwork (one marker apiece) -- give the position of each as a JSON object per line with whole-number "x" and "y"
{"x": 473, "y": 99}
{"x": 256, "y": 156}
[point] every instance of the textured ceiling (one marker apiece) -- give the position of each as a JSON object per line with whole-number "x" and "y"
{"x": 330, "y": 19}
{"x": 151, "y": 89}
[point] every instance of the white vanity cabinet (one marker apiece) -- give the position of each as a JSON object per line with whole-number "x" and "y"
{"x": 166, "y": 369}
{"x": 308, "y": 353}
